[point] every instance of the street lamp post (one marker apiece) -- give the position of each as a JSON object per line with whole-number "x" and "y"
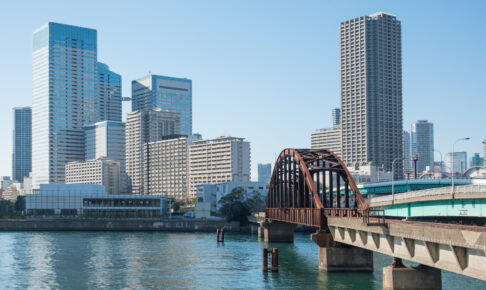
{"x": 452, "y": 164}
{"x": 393, "y": 178}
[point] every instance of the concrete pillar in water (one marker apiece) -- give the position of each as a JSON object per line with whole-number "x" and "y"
{"x": 421, "y": 277}
{"x": 278, "y": 232}
{"x": 334, "y": 257}
{"x": 260, "y": 231}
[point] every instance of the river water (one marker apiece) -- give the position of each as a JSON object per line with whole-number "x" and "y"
{"x": 79, "y": 260}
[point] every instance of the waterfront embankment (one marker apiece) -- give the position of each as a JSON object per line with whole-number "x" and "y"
{"x": 171, "y": 225}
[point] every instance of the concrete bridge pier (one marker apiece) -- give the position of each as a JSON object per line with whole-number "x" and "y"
{"x": 337, "y": 257}
{"x": 278, "y": 232}
{"x": 398, "y": 277}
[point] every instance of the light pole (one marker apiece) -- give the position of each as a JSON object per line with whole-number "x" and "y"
{"x": 452, "y": 164}
{"x": 393, "y": 178}
{"x": 440, "y": 162}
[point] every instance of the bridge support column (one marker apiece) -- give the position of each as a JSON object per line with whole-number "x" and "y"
{"x": 335, "y": 257}
{"x": 421, "y": 277}
{"x": 278, "y": 232}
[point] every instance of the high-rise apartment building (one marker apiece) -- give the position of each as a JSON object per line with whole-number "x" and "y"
{"x": 264, "y": 172}
{"x": 336, "y": 117}
{"x": 67, "y": 93}
{"x": 327, "y": 138}
{"x": 423, "y": 144}
{"x": 22, "y": 143}
{"x": 142, "y": 127}
{"x": 218, "y": 160}
{"x": 103, "y": 170}
{"x": 371, "y": 91}
{"x": 165, "y": 166}
{"x": 173, "y": 94}
{"x": 407, "y": 157}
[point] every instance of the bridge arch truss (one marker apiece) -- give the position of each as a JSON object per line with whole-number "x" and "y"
{"x": 308, "y": 185}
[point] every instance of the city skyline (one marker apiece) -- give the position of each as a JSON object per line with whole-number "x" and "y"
{"x": 211, "y": 95}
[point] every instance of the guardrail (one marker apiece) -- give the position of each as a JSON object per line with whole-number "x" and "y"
{"x": 474, "y": 188}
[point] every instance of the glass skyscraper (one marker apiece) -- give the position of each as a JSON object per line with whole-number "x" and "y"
{"x": 68, "y": 92}
{"x": 423, "y": 144}
{"x": 109, "y": 90}
{"x": 22, "y": 143}
{"x": 173, "y": 94}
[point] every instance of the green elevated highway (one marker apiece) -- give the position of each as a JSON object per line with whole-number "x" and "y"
{"x": 467, "y": 201}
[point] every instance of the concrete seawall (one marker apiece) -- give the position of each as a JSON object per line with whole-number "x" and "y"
{"x": 174, "y": 225}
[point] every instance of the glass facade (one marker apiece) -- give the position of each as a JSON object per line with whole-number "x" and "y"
{"x": 22, "y": 143}
{"x": 105, "y": 139}
{"x": 173, "y": 94}
{"x": 68, "y": 92}
{"x": 264, "y": 172}
{"x": 109, "y": 90}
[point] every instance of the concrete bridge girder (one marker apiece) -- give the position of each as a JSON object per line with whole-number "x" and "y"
{"x": 455, "y": 250}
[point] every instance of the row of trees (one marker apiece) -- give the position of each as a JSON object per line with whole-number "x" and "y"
{"x": 10, "y": 209}
{"x": 238, "y": 205}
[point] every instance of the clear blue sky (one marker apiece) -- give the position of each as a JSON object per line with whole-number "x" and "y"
{"x": 264, "y": 70}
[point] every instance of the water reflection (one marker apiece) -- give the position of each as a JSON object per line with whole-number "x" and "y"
{"x": 39, "y": 263}
{"x": 173, "y": 260}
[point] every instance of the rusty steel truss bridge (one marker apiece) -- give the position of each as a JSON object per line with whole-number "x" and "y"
{"x": 313, "y": 187}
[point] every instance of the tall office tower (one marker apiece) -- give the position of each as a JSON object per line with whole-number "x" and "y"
{"x": 371, "y": 91}
{"x": 460, "y": 162}
{"x": 165, "y": 167}
{"x": 336, "y": 117}
{"x": 142, "y": 127}
{"x": 109, "y": 91}
{"x": 219, "y": 160}
{"x": 66, "y": 90}
{"x": 407, "y": 151}
{"x": 423, "y": 144}
{"x": 327, "y": 138}
{"x": 22, "y": 143}
{"x": 173, "y": 94}
{"x": 107, "y": 139}
{"x": 264, "y": 172}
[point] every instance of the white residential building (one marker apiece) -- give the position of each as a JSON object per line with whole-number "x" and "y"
{"x": 143, "y": 127}
{"x": 165, "y": 167}
{"x": 329, "y": 138}
{"x": 218, "y": 160}
{"x": 103, "y": 170}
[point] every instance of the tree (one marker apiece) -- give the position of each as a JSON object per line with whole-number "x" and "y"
{"x": 234, "y": 206}
{"x": 19, "y": 205}
{"x": 256, "y": 202}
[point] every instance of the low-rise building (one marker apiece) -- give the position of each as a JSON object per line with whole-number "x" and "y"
{"x": 12, "y": 192}
{"x": 369, "y": 174}
{"x": 209, "y": 195}
{"x": 105, "y": 171}
{"x": 90, "y": 200}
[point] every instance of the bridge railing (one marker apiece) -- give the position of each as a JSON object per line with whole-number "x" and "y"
{"x": 474, "y": 188}
{"x": 304, "y": 216}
